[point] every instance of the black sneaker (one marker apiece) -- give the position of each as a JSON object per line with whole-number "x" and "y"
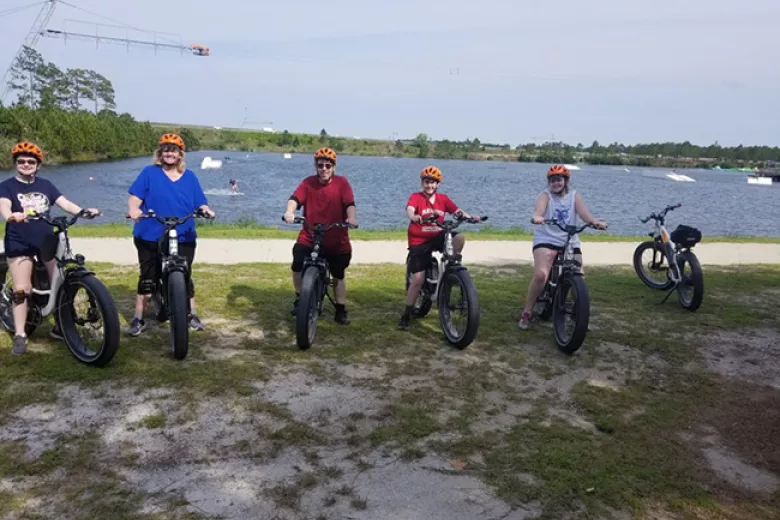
{"x": 403, "y": 324}
{"x": 20, "y": 345}
{"x": 294, "y": 310}
{"x": 342, "y": 317}
{"x": 137, "y": 327}
{"x": 195, "y": 323}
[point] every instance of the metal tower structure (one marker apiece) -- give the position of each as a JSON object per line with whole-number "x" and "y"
{"x": 39, "y": 28}
{"x": 44, "y": 15}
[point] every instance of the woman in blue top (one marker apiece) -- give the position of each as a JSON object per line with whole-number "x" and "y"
{"x": 19, "y": 197}
{"x": 171, "y": 190}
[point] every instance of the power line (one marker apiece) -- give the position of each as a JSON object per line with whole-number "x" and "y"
{"x": 20, "y": 8}
{"x": 122, "y": 24}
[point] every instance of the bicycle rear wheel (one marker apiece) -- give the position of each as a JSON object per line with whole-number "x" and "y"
{"x": 690, "y": 290}
{"x": 422, "y": 305}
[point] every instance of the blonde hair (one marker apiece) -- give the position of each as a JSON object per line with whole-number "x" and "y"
{"x": 157, "y": 160}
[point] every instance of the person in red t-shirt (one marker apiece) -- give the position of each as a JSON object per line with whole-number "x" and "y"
{"x": 426, "y": 238}
{"x": 326, "y": 199}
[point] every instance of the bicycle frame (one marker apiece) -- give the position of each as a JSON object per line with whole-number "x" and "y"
{"x": 448, "y": 258}
{"x": 565, "y": 262}
{"x": 661, "y": 235}
{"x": 63, "y": 258}
{"x": 314, "y": 259}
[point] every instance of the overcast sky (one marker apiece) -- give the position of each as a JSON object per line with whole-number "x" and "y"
{"x": 505, "y": 71}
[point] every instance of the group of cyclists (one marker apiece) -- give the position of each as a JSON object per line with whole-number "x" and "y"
{"x": 169, "y": 188}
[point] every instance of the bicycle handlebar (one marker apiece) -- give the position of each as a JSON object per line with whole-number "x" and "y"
{"x": 452, "y": 224}
{"x": 321, "y": 228}
{"x": 63, "y": 221}
{"x": 170, "y": 222}
{"x": 661, "y": 215}
{"x": 571, "y": 230}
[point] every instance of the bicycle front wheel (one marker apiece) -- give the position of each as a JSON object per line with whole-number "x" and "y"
{"x": 651, "y": 266}
{"x": 95, "y": 311}
{"x": 308, "y": 308}
{"x": 459, "y": 308}
{"x": 571, "y": 312}
{"x": 177, "y": 308}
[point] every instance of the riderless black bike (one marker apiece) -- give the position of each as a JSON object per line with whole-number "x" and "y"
{"x": 670, "y": 253}
{"x": 315, "y": 284}
{"x": 93, "y": 308}
{"x": 449, "y": 283}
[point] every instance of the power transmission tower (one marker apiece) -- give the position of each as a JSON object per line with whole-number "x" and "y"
{"x": 44, "y": 15}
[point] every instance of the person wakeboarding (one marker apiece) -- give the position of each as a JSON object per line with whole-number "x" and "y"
{"x": 233, "y": 185}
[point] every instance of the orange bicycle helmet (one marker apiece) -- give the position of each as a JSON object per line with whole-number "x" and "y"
{"x": 558, "y": 169}
{"x": 172, "y": 139}
{"x": 431, "y": 172}
{"x": 27, "y": 148}
{"x": 325, "y": 153}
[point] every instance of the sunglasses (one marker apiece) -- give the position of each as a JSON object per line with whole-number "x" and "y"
{"x": 556, "y": 178}
{"x": 170, "y": 148}
{"x": 324, "y": 165}
{"x": 26, "y": 161}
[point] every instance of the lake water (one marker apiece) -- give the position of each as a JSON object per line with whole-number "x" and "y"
{"x": 718, "y": 203}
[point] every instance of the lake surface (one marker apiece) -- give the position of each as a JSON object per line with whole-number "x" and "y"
{"x": 719, "y": 203}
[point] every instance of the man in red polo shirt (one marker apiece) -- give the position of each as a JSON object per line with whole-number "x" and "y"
{"x": 423, "y": 239}
{"x": 326, "y": 199}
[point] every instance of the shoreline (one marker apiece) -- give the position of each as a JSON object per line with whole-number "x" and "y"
{"x": 121, "y": 251}
{"x": 486, "y": 234}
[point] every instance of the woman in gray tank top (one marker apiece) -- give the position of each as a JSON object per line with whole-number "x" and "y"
{"x": 561, "y": 203}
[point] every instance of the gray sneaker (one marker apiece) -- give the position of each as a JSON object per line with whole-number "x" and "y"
{"x": 137, "y": 327}
{"x": 525, "y": 321}
{"x": 20, "y": 345}
{"x": 195, "y": 323}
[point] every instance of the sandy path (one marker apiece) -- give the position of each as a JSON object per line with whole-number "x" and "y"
{"x": 234, "y": 251}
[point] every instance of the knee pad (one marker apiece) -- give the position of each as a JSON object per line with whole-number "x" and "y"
{"x": 145, "y": 287}
{"x": 19, "y": 297}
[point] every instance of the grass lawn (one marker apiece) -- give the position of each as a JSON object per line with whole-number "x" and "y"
{"x": 662, "y": 414}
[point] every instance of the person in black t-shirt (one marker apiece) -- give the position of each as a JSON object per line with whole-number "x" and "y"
{"x": 21, "y": 196}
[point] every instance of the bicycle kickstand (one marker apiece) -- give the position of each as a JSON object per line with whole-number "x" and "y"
{"x": 674, "y": 288}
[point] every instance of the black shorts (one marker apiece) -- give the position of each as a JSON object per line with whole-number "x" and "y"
{"x": 420, "y": 256}
{"x": 45, "y": 251}
{"x": 150, "y": 266}
{"x": 577, "y": 250}
{"x": 337, "y": 263}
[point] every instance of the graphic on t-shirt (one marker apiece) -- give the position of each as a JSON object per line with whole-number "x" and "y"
{"x": 33, "y": 202}
{"x": 562, "y": 214}
{"x": 427, "y": 213}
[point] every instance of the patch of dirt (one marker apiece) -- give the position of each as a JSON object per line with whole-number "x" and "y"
{"x": 740, "y": 474}
{"x": 752, "y": 355}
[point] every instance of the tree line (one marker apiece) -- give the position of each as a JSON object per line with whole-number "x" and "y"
{"x": 69, "y": 113}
